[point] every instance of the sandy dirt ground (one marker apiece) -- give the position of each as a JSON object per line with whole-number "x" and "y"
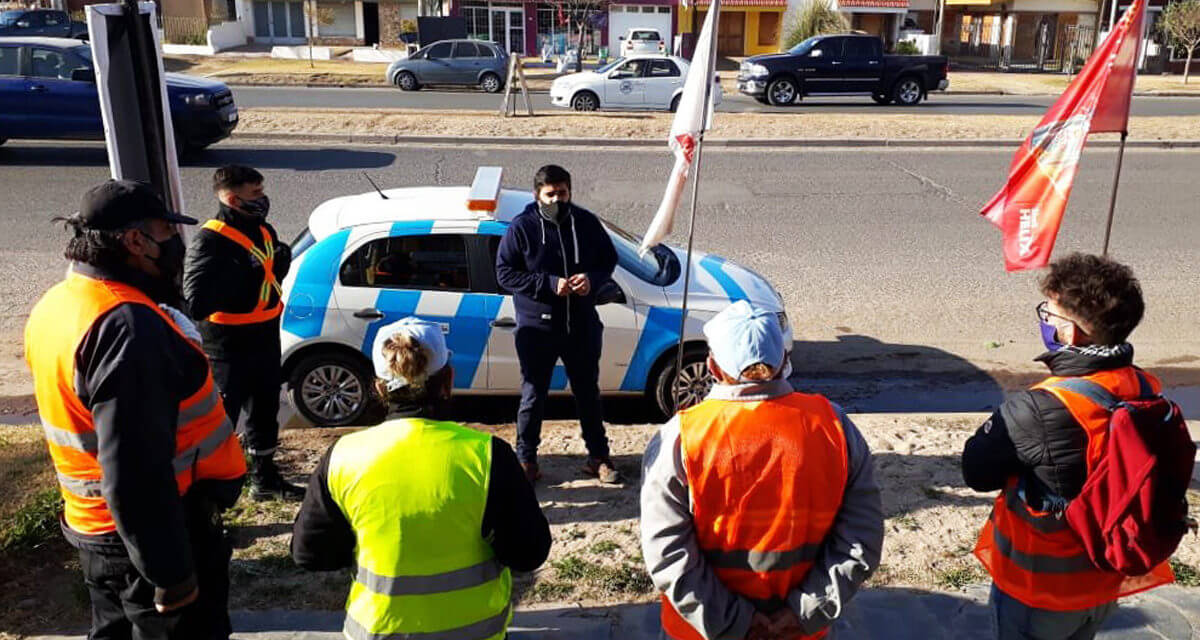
{"x": 740, "y": 126}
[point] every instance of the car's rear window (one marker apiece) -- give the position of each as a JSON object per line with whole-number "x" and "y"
{"x": 645, "y": 35}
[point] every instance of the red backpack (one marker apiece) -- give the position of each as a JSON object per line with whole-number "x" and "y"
{"x": 1132, "y": 511}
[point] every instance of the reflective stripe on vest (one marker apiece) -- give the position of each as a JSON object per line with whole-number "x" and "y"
{"x": 205, "y": 443}
{"x": 262, "y": 312}
{"x": 763, "y": 544}
{"x": 424, "y": 570}
{"x": 1034, "y": 556}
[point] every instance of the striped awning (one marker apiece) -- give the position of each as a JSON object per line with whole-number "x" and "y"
{"x": 874, "y": 4}
{"x": 754, "y": 3}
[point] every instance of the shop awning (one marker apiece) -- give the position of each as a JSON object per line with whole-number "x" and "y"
{"x": 875, "y": 4}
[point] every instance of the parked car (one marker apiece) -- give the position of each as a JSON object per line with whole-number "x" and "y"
{"x": 365, "y": 261}
{"x": 461, "y": 62}
{"x": 642, "y": 41}
{"x": 636, "y": 82}
{"x": 40, "y": 22}
{"x": 48, "y": 90}
{"x": 842, "y": 64}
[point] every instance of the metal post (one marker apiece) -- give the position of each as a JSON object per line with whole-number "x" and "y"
{"x": 1112, "y": 203}
{"x": 687, "y": 263}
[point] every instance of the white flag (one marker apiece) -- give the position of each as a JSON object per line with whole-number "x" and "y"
{"x": 693, "y": 116}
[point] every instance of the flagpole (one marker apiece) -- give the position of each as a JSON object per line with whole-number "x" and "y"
{"x": 1112, "y": 203}
{"x": 687, "y": 263}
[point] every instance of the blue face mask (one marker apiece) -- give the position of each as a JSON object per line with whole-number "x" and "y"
{"x": 1050, "y": 337}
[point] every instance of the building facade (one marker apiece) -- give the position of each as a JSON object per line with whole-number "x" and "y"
{"x": 746, "y": 28}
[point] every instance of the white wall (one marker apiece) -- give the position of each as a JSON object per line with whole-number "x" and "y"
{"x": 226, "y": 35}
{"x": 345, "y": 20}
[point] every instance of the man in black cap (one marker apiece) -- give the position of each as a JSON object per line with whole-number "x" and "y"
{"x": 146, "y": 459}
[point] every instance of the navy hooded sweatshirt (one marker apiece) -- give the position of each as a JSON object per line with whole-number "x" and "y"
{"x": 535, "y": 253}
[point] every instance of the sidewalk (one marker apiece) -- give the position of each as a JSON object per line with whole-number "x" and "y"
{"x": 1171, "y": 613}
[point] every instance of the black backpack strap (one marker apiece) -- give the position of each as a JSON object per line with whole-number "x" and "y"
{"x": 1145, "y": 389}
{"x": 1091, "y": 391}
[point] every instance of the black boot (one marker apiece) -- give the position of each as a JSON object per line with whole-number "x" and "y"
{"x": 267, "y": 484}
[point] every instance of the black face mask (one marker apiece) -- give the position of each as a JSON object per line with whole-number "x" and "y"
{"x": 258, "y": 208}
{"x": 170, "y": 260}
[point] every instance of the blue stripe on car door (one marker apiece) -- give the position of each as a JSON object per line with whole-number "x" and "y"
{"x": 659, "y": 333}
{"x": 715, "y": 267}
{"x": 304, "y": 314}
{"x": 470, "y": 329}
{"x": 395, "y": 304}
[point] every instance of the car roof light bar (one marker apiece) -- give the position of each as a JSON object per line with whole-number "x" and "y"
{"x": 485, "y": 190}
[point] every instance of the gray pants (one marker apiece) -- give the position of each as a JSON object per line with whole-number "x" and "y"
{"x": 1017, "y": 621}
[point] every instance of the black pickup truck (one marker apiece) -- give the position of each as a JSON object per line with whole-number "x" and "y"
{"x": 46, "y": 23}
{"x": 841, "y": 64}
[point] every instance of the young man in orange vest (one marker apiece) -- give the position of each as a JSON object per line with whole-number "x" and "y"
{"x": 232, "y": 288}
{"x": 1038, "y": 447}
{"x": 146, "y": 458}
{"x": 760, "y": 512}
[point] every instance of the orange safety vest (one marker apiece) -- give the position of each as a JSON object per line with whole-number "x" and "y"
{"x": 766, "y": 479}
{"x": 1034, "y": 556}
{"x": 205, "y": 444}
{"x": 264, "y": 311}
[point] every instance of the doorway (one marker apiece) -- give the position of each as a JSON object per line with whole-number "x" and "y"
{"x": 508, "y": 28}
{"x": 370, "y": 23}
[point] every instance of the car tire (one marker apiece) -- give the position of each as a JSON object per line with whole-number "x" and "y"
{"x": 675, "y": 103}
{"x": 782, "y": 92}
{"x": 908, "y": 91}
{"x": 879, "y": 98}
{"x": 696, "y": 378}
{"x": 407, "y": 81}
{"x": 585, "y": 101}
{"x": 311, "y": 388}
{"x": 491, "y": 83}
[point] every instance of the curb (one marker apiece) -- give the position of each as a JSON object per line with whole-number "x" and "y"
{"x": 653, "y": 143}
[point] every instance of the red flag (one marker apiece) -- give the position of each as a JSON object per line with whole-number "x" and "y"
{"x": 1030, "y": 206}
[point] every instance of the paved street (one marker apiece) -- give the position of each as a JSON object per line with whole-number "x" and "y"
{"x": 942, "y": 104}
{"x": 886, "y": 267}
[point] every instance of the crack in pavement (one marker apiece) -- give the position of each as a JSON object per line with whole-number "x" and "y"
{"x": 437, "y": 168}
{"x": 942, "y": 190}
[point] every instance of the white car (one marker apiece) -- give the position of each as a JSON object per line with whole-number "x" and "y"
{"x": 642, "y": 40}
{"x": 366, "y": 261}
{"x": 636, "y": 82}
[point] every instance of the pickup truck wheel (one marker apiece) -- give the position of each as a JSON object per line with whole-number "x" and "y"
{"x": 585, "y": 101}
{"x": 908, "y": 91}
{"x": 407, "y": 81}
{"x": 879, "y": 98}
{"x": 782, "y": 92}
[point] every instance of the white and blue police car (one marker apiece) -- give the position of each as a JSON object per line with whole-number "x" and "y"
{"x": 368, "y": 260}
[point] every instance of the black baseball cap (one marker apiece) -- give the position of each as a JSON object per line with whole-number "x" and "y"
{"x": 117, "y": 204}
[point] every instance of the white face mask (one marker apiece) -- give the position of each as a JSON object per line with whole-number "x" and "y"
{"x": 550, "y": 210}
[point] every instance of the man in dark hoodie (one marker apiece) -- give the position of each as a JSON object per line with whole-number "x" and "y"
{"x": 554, "y": 257}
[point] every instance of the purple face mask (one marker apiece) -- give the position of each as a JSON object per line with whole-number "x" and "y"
{"x": 1050, "y": 337}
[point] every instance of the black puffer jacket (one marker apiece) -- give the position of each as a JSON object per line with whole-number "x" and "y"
{"x": 1034, "y": 436}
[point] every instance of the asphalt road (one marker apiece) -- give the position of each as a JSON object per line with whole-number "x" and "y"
{"x": 885, "y": 265}
{"x": 942, "y": 104}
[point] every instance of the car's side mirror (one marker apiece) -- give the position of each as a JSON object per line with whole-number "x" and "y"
{"x": 610, "y": 293}
{"x": 816, "y": 53}
{"x": 84, "y": 74}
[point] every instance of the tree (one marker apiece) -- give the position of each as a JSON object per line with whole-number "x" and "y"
{"x": 317, "y": 15}
{"x": 1180, "y": 25}
{"x": 814, "y": 18}
{"x": 579, "y": 13}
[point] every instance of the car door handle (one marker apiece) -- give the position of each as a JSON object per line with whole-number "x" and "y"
{"x": 368, "y": 314}
{"x": 873, "y": 62}
{"x": 503, "y": 323}
{"x": 835, "y": 62}
{"x": 37, "y": 88}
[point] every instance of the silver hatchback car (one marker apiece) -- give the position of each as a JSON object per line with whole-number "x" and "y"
{"x": 461, "y": 62}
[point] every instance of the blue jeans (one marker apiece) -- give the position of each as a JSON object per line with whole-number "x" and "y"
{"x": 1018, "y": 621}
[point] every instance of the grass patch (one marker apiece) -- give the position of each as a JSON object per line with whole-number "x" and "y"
{"x": 907, "y": 521}
{"x": 622, "y": 579}
{"x": 549, "y": 590}
{"x": 33, "y": 524}
{"x": 605, "y": 547}
{"x": 248, "y": 513}
{"x": 1185, "y": 574}
{"x": 959, "y": 577}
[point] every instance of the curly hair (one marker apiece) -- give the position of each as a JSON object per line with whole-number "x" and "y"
{"x": 758, "y": 372}
{"x": 405, "y": 358}
{"x": 102, "y": 249}
{"x": 1102, "y": 293}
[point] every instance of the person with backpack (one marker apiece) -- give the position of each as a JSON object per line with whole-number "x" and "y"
{"x": 1064, "y": 541}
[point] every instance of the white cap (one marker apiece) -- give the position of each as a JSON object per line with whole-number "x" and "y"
{"x": 427, "y": 334}
{"x": 743, "y": 335}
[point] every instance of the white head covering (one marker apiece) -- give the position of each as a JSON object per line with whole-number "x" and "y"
{"x": 427, "y": 334}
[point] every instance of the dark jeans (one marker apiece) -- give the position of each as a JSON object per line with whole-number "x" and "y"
{"x": 123, "y": 600}
{"x": 250, "y": 384}
{"x": 538, "y": 352}
{"x": 1018, "y": 621}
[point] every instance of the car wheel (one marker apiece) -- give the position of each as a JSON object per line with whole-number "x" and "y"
{"x": 693, "y": 385}
{"x": 675, "y": 103}
{"x": 331, "y": 389}
{"x": 491, "y": 83}
{"x": 879, "y": 98}
{"x": 908, "y": 91}
{"x": 782, "y": 92}
{"x": 407, "y": 81}
{"x": 585, "y": 101}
